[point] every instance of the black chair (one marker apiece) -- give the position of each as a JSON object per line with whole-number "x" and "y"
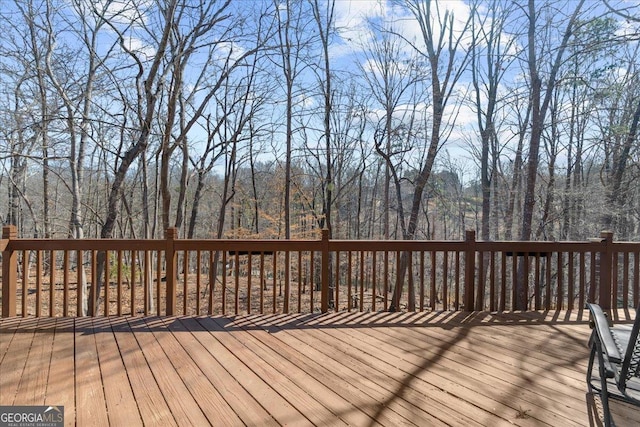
{"x": 618, "y": 351}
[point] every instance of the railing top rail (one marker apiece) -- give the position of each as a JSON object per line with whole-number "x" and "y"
{"x": 86, "y": 244}
{"x": 252, "y": 245}
{"x": 256, "y": 245}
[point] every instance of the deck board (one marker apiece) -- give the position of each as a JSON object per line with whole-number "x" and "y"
{"x": 151, "y": 403}
{"x": 298, "y": 389}
{"x": 120, "y": 402}
{"x": 13, "y": 365}
{"x": 184, "y": 408}
{"x": 90, "y": 398}
{"x": 389, "y": 385}
{"x": 261, "y": 389}
{"x": 61, "y": 380}
{"x": 205, "y": 396}
{"x": 201, "y": 346}
{"x": 413, "y": 369}
{"x": 33, "y": 383}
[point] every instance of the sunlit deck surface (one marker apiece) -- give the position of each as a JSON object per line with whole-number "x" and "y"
{"x": 425, "y": 369}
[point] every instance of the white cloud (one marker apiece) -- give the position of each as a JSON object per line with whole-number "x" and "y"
{"x": 136, "y": 45}
{"x": 122, "y": 11}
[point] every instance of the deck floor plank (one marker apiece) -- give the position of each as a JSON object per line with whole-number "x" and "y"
{"x": 199, "y": 345}
{"x": 361, "y": 353}
{"x": 514, "y": 370}
{"x": 513, "y": 384}
{"x": 91, "y": 404}
{"x": 62, "y": 380}
{"x": 260, "y": 388}
{"x": 485, "y": 389}
{"x": 363, "y": 384}
{"x": 300, "y": 388}
{"x": 32, "y": 387}
{"x": 204, "y": 394}
{"x": 14, "y": 363}
{"x": 8, "y": 327}
{"x": 121, "y": 405}
{"x": 184, "y": 409}
{"x": 358, "y": 368}
{"x": 152, "y": 406}
{"x": 378, "y": 371}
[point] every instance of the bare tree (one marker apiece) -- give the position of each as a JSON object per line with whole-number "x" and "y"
{"x": 540, "y": 101}
{"x": 212, "y": 33}
{"x": 391, "y": 75}
{"x": 442, "y": 48}
{"x": 490, "y": 60}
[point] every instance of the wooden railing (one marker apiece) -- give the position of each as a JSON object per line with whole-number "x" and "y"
{"x": 64, "y": 277}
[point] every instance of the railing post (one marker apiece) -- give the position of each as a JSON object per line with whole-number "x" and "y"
{"x": 469, "y": 269}
{"x": 606, "y": 254}
{"x": 171, "y": 258}
{"x": 9, "y": 272}
{"x": 324, "y": 292}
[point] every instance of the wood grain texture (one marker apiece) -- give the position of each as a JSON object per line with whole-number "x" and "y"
{"x": 356, "y": 368}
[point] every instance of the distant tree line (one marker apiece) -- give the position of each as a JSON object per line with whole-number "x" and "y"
{"x": 275, "y": 119}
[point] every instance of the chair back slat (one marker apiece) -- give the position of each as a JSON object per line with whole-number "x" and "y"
{"x": 631, "y": 364}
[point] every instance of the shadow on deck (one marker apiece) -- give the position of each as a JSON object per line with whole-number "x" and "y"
{"x": 359, "y": 368}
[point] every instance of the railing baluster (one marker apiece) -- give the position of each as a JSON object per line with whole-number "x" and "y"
{"x": 625, "y": 280}
{"x": 79, "y": 285}
{"x": 299, "y": 281}
{"x": 433, "y": 293}
{"x": 119, "y": 278}
{"x": 147, "y": 283}
{"x": 198, "y": 280}
{"x": 337, "y": 276}
{"x": 287, "y": 288}
{"x": 445, "y": 280}
{"x": 107, "y": 281}
{"x": 548, "y": 282}
{"x": 65, "y": 281}
{"x": 93, "y": 294}
{"x": 52, "y": 282}
{"x": 457, "y": 284}
{"x": 593, "y": 275}
{"x": 275, "y": 278}
{"x": 537, "y": 288}
{"x": 374, "y": 280}
{"x": 185, "y": 282}
{"x": 263, "y": 283}
{"x": 422, "y": 294}
{"x": 159, "y": 282}
{"x": 249, "y": 274}
{"x": 570, "y": 282}
{"x": 25, "y": 283}
{"x": 236, "y": 282}
{"x": 361, "y": 280}
{"x": 133, "y": 282}
{"x": 386, "y": 280}
{"x": 349, "y": 289}
{"x": 213, "y": 272}
{"x": 583, "y": 280}
{"x": 560, "y": 283}
{"x": 38, "y": 283}
{"x": 492, "y": 281}
{"x": 312, "y": 279}
{"x": 514, "y": 281}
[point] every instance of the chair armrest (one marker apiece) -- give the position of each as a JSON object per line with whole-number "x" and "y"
{"x": 601, "y": 325}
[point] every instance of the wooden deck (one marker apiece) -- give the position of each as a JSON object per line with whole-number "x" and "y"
{"x": 424, "y": 369}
